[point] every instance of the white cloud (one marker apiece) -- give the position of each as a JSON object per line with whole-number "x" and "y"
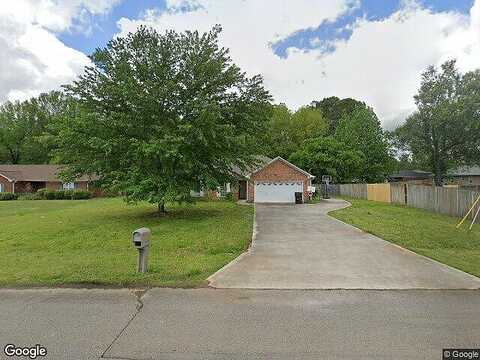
{"x": 32, "y": 59}
{"x": 381, "y": 63}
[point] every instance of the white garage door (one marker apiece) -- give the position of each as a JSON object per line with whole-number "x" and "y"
{"x": 281, "y": 192}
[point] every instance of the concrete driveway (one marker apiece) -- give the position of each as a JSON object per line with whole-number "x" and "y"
{"x": 301, "y": 247}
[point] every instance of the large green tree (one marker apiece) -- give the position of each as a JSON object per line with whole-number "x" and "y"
{"x": 160, "y": 113}
{"x": 288, "y": 130}
{"x": 24, "y": 128}
{"x": 15, "y": 131}
{"x": 361, "y": 130}
{"x": 334, "y": 109}
{"x": 277, "y": 139}
{"x": 445, "y": 130}
{"x": 328, "y": 156}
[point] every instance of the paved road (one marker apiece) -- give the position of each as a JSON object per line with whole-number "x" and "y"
{"x": 301, "y": 247}
{"x": 241, "y": 324}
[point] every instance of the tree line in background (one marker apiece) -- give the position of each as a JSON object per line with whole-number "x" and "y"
{"x": 157, "y": 114}
{"x": 338, "y": 137}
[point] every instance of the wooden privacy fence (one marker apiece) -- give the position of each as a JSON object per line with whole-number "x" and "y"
{"x": 358, "y": 191}
{"x": 443, "y": 200}
{"x": 378, "y": 192}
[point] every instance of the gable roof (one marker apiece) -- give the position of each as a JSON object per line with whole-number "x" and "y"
{"x": 411, "y": 174}
{"x": 465, "y": 171}
{"x": 288, "y": 163}
{"x": 34, "y": 173}
{"x": 261, "y": 162}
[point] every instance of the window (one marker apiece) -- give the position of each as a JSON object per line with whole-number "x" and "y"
{"x": 2, "y": 188}
{"x": 68, "y": 186}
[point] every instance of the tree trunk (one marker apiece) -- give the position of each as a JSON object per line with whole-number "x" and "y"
{"x": 161, "y": 208}
{"x": 438, "y": 178}
{"x": 437, "y": 160}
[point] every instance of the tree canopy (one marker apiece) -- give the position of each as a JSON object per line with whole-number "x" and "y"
{"x": 288, "y": 130}
{"x": 329, "y": 156}
{"x": 445, "y": 130}
{"x": 334, "y": 109}
{"x": 24, "y": 128}
{"x": 361, "y": 130}
{"x": 159, "y": 113}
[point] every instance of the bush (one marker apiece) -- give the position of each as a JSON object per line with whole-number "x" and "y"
{"x": 228, "y": 196}
{"x": 81, "y": 195}
{"x": 50, "y": 195}
{"x": 35, "y": 196}
{"x": 4, "y": 196}
{"x": 63, "y": 194}
{"x": 59, "y": 195}
{"x": 68, "y": 194}
{"x": 41, "y": 193}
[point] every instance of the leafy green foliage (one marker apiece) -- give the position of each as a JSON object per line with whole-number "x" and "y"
{"x": 46, "y": 194}
{"x": 445, "y": 130}
{"x": 159, "y": 113}
{"x": 25, "y": 135}
{"x": 287, "y": 131}
{"x": 361, "y": 131}
{"x": 334, "y": 109}
{"x": 5, "y": 196}
{"x": 322, "y": 156}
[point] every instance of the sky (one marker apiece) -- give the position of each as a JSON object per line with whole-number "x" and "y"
{"x": 370, "y": 50}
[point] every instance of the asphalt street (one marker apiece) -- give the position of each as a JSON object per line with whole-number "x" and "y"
{"x": 241, "y": 324}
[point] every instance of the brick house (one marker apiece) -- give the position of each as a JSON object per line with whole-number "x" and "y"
{"x": 30, "y": 178}
{"x": 273, "y": 181}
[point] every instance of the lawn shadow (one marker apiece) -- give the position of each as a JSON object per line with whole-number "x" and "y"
{"x": 192, "y": 212}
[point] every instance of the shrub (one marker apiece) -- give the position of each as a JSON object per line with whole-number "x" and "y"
{"x": 4, "y": 196}
{"x": 81, "y": 195}
{"x": 59, "y": 195}
{"x": 35, "y": 196}
{"x": 68, "y": 194}
{"x": 50, "y": 195}
{"x": 63, "y": 194}
{"x": 228, "y": 196}
{"x": 41, "y": 193}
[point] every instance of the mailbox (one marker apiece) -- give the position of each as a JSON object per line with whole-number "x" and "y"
{"x": 141, "y": 238}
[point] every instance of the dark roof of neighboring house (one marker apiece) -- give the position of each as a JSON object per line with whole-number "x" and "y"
{"x": 465, "y": 171}
{"x": 412, "y": 174}
{"x": 261, "y": 162}
{"x": 34, "y": 173}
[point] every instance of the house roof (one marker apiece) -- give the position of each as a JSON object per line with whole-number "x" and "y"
{"x": 465, "y": 171}
{"x": 34, "y": 173}
{"x": 412, "y": 174}
{"x": 261, "y": 162}
{"x": 278, "y": 158}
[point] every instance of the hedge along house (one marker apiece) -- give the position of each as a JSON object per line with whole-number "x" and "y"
{"x": 31, "y": 178}
{"x": 273, "y": 181}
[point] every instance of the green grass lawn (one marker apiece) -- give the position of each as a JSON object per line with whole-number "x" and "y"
{"x": 424, "y": 232}
{"x": 88, "y": 242}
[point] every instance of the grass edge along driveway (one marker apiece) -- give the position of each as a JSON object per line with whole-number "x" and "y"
{"x": 426, "y": 233}
{"x": 88, "y": 242}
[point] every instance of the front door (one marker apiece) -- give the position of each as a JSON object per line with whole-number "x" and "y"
{"x": 242, "y": 190}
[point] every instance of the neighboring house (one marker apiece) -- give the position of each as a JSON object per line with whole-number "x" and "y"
{"x": 272, "y": 181}
{"x": 464, "y": 176}
{"x": 412, "y": 177}
{"x": 30, "y": 178}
